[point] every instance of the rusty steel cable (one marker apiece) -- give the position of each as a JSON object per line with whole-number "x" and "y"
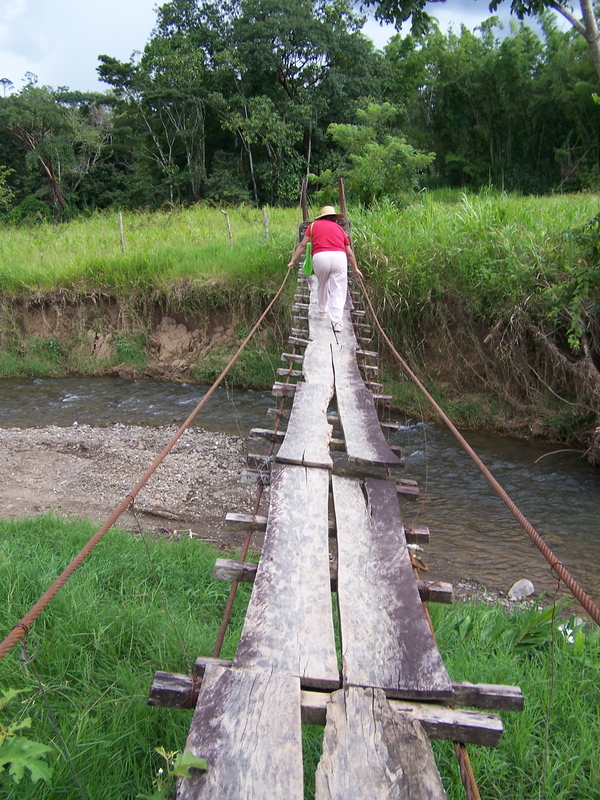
{"x": 24, "y": 624}
{"x": 555, "y": 564}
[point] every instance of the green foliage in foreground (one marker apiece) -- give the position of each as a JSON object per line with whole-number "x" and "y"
{"x": 98, "y": 644}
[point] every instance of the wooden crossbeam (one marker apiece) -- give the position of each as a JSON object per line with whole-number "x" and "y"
{"x": 228, "y": 570}
{"x": 174, "y": 690}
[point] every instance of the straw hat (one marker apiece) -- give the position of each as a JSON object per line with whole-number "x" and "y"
{"x": 328, "y": 211}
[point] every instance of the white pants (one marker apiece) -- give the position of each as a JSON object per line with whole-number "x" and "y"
{"x": 331, "y": 269}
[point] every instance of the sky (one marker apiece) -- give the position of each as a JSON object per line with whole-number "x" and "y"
{"x": 60, "y": 40}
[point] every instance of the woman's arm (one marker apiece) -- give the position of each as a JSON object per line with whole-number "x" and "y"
{"x": 298, "y": 251}
{"x": 352, "y": 260}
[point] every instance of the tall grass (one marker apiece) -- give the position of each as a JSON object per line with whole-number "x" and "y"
{"x": 494, "y": 249}
{"x": 98, "y": 644}
{"x": 123, "y": 615}
{"x": 160, "y": 248}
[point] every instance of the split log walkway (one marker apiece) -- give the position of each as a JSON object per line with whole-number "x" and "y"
{"x": 379, "y": 685}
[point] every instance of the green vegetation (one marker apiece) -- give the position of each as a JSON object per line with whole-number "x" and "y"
{"x": 493, "y": 298}
{"x": 161, "y": 249}
{"x": 236, "y": 102}
{"x": 137, "y": 606}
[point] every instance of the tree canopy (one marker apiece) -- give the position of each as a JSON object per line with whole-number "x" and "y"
{"x": 236, "y": 101}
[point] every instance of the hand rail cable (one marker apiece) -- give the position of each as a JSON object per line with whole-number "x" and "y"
{"x": 555, "y": 565}
{"x": 23, "y": 625}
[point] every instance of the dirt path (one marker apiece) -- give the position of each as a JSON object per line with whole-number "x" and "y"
{"x": 85, "y": 472}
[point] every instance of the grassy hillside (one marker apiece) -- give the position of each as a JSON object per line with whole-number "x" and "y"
{"x": 494, "y": 298}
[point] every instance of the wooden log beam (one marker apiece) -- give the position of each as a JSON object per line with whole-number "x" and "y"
{"x": 269, "y": 434}
{"x": 171, "y": 690}
{"x": 297, "y": 358}
{"x": 227, "y": 569}
{"x": 235, "y": 521}
{"x": 283, "y": 389}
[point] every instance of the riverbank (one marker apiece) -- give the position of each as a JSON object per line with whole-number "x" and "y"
{"x": 84, "y": 472}
{"x": 491, "y": 299}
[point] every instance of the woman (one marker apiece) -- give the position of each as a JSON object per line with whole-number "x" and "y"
{"x": 331, "y": 251}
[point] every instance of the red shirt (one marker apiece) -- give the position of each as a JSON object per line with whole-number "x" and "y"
{"x": 327, "y": 235}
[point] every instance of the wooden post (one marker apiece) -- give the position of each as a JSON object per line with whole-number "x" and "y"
{"x": 303, "y": 203}
{"x": 121, "y": 236}
{"x": 228, "y": 226}
{"x": 343, "y": 209}
{"x": 265, "y": 222}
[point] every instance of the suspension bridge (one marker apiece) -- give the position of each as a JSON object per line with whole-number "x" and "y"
{"x": 337, "y": 631}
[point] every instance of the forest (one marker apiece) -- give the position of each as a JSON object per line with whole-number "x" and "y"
{"x": 234, "y": 102}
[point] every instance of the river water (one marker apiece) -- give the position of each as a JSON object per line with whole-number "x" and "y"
{"x": 473, "y": 535}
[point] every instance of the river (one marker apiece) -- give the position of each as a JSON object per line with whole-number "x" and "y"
{"x": 473, "y": 535}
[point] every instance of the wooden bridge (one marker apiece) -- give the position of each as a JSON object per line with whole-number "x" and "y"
{"x": 336, "y": 632}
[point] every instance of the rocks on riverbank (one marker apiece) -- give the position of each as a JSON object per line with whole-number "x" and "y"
{"x": 85, "y": 472}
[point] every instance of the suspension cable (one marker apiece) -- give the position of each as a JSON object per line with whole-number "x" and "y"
{"x": 24, "y": 624}
{"x": 556, "y": 566}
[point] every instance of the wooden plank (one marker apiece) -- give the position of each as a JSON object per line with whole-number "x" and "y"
{"x": 297, "y": 358}
{"x": 386, "y": 640}
{"x": 226, "y": 569}
{"x": 267, "y": 433}
{"x": 247, "y": 727}
{"x": 308, "y": 432}
{"x": 172, "y": 690}
{"x": 488, "y": 695}
{"x": 365, "y": 442}
{"x": 235, "y": 521}
{"x": 289, "y": 622}
{"x": 418, "y": 534}
{"x": 368, "y": 751}
{"x": 298, "y": 341}
{"x": 283, "y": 389}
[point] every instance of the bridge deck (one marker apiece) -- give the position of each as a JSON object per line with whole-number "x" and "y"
{"x": 247, "y": 721}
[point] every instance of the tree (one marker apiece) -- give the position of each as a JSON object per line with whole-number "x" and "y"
{"x": 398, "y": 11}
{"x": 380, "y": 163}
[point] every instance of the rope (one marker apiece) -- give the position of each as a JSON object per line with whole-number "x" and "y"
{"x": 557, "y": 566}
{"x": 23, "y": 625}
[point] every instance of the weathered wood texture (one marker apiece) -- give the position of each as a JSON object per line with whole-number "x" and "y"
{"x": 386, "y": 640}
{"x": 226, "y": 569}
{"x": 368, "y": 751}
{"x": 289, "y": 622}
{"x": 308, "y": 433}
{"x": 247, "y": 726}
{"x": 365, "y": 442}
{"x": 173, "y": 690}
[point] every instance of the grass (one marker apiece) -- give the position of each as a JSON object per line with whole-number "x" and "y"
{"x": 160, "y": 249}
{"x": 98, "y": 644}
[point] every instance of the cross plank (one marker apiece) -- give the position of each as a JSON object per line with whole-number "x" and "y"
{"x": 247, "y": 727}
{"x": 289, "y": 623}
{"x": 368, "y": 751}
{"x": 386, "y": 640}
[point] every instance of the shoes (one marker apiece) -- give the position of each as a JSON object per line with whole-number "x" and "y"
{"x": 337, "y": 327}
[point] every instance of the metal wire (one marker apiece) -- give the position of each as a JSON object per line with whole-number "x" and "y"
{"x": 557, "y": 566}
{"x": 23, "y": 625}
